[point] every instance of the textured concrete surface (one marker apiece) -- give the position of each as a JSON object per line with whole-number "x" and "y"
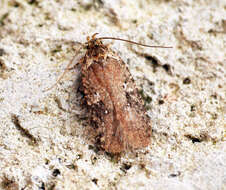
{"x": 44, "y": 141}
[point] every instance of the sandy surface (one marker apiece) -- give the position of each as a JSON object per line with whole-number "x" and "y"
{"x": 43, "y": 138}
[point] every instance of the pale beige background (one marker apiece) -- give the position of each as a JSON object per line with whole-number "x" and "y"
{"x": 187, "y": 86}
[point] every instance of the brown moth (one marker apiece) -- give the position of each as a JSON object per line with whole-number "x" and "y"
{"x": 114, "y": 105}
{"x": 111, "y": 98}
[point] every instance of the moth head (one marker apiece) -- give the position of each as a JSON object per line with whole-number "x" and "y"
{"x": 93, "y": 42}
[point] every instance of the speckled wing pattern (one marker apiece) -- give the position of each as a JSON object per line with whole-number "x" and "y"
{"x": 114, "y": 105}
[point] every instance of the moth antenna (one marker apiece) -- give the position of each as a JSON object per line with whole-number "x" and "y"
{"x": 58, "y": 80}
{"x": 63, "y": 74}
{"x": 132, "y": 42}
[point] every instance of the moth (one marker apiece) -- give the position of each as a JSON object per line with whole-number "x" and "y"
{"x": 114, "y": 106}
{"x": 111, "y": 97}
